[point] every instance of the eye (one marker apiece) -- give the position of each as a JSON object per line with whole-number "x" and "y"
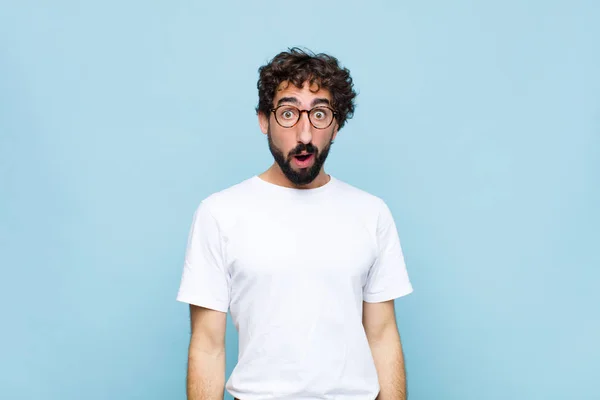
{"x": 288, "y": 113}
{"x": 320, "y": 113}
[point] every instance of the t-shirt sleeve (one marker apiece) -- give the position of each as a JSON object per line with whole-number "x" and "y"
{"x": 387, "y": 278}
{"x": 205, "y": 280}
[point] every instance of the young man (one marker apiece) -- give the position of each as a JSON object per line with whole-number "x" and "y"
{"x": 308, "y": 266}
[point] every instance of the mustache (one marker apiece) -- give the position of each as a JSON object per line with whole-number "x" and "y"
{"x": 308, "y": 148}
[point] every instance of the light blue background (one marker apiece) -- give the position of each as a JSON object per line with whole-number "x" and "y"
{"x": 477, "y": 122}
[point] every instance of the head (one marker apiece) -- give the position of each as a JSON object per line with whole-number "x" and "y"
{"x": 304, "y": 100}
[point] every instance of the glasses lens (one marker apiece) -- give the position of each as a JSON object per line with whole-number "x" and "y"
{"x": 321, "y": 117}
{"x": 287, "y": 115}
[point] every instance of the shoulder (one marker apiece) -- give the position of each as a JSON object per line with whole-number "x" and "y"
{"x": 367, "y": 206}
{"x": 225, "y": 202}
{"x": 360, "y": 198}
{"x": 230, "y": 195}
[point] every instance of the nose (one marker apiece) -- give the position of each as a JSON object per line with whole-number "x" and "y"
{"x": 304, "y": 129}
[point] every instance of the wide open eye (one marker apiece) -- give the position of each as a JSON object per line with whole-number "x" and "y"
{"x": 321, "y": 114}
{"x": 287, "y": 113}
{"x": 321, "y": 117}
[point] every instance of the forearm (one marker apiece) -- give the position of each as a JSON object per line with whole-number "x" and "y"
{"x": 206, "y": 373}
{"x": 389, "y": 362}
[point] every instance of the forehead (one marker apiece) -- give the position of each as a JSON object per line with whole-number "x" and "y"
{"x": 305, "y": 95}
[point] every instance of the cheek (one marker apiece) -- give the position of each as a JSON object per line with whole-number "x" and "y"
{"x": 284, "y": 142}
{"x": 322, "y": 141}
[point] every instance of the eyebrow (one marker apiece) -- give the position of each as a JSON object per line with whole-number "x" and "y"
{"x": 319, "y": 101}
{"x": 295, "y": 101}
{"x": 288, "y": 100}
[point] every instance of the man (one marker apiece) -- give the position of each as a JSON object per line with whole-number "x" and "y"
{"x": 308, "y": 266}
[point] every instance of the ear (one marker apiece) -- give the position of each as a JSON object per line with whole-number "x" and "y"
{"x": 335, "y": 131}
{"x": 263, "y": 122}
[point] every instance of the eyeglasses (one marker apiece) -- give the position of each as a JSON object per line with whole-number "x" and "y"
{"x": 320, "y": 117}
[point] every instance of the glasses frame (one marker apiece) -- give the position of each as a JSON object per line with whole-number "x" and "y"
{"x": 274, "y": 111}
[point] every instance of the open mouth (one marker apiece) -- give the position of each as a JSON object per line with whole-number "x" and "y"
{"x": 304, "y": 160}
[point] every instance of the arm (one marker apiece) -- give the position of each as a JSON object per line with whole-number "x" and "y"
{"x": 206, "y": 357}
{"x": 379, "y": 321}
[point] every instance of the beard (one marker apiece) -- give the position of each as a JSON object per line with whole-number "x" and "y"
{"x": 304, "y": 176}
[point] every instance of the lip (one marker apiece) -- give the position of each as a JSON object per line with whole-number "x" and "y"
{"x": 306, "y": 163}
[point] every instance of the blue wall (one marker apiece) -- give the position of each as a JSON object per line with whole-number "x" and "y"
{"x": 478, "y": 123}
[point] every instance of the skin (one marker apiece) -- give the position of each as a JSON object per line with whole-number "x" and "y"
{"x": 379, "y": 321}
{"x": 206, "y": 358}
{"x": 206, "y": 354}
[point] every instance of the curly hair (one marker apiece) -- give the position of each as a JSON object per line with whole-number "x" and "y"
{"x": 297, "y": 66}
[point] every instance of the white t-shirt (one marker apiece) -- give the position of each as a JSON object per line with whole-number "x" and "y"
{"x": 293, "y": 267}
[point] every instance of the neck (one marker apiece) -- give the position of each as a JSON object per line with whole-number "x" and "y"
{"x": 276, "y": 176}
